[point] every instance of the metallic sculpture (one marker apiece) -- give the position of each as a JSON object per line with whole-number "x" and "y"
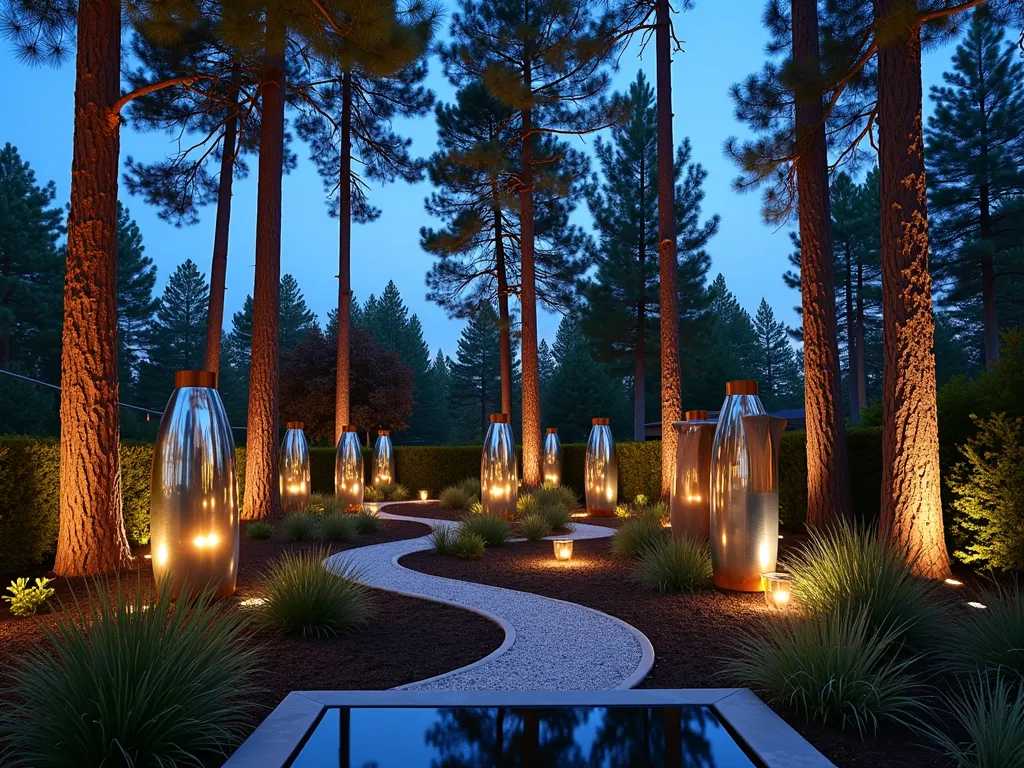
{"x": 193, "y": 503}
{"x": 293, "y": 468}
{"x": 499, "y": 475}
{"x": 744, "y": 490}
{"x": 383, "y": 460}
{"x": 690, "y": 504}
{"x": 348, "y": 470}
{"x": 601, "y": 471}
{"x": 552, "y": 457}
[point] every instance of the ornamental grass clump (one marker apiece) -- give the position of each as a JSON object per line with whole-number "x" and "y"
{"x": 397, "y": 492}
{"x": 558, "y": 516}
{"x": 471, "y": 485}
{"x": 302, "y": 597}
{"x": 851, "y": 568}
{"x": 373, "y": 493}
{"x": 367, "y": 522}
{"x": 338, "y": 526}
{"x": 301, "y": 526}
{"x": 495, "y": 530}
{"x": 454, "y": 497}
{"x": 527, "y": 504}
{"x": 125, "y": 679}
{"x": 534, "y": 526}
{"x": 991, "y": 639}
{"x": 324, "y": 504}
{"x": 558, "y": 495}
{"x": 259, "y": 530}
{"x": 456, "y": 541}
{"x": 634, "y": 537}
{"x": 837, "y": 668}
{"x": 674, "y": 565}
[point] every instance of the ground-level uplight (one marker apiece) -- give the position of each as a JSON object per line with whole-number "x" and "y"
{"x": 563, "y": 549}
{"x": 253, "y": 602}
{"x": 424, "y": 495}
{"x": 954, "y": 582}
{"x": 975, "y": 604}
{"x": 373, "y": 507}
{"x": 776, "y": 589}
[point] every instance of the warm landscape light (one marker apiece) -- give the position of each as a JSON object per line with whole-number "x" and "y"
{"x": 563, "y": 549}
{"x": 253, "y": 602}
{"x": 975, "y": 604}
{"x": 581, "y": 513}
{"x": 776, "y": 589}
{"x": 424, "y": 495}
{"x": 954, "y": 583}
{"x": 374, "y": 508}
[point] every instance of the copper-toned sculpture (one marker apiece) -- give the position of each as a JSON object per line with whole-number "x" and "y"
{"x": 293, "y": 468}
{"x": 499, "y": 474}
{"x": 744, "y": 490}
{"x": 383, "y": 460}
{"x": 690, "y": 504}
{"x": 552, "y": 457}
{"x": 348, "y": 470}
{"x": 193, "y": 502}
{"x": 601, "y": 470}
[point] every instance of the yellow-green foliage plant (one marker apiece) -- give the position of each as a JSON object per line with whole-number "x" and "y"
{"x": 26, "y": 600}
{"x": 674, "y": 565}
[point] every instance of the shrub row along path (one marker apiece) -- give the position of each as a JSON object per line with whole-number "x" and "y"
{"x": 549, "y": 644}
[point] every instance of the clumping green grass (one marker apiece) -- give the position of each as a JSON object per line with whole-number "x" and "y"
{"x": 373, "y": 493}
{"x": 655, "y": 512}
{"x": 454, "y": 497}
{"x": 367, "y": 522}
{"x": 850, "y": 568}
{"x": 398, "y": 492}
{"x": 558, "y": 516}
{"x": 443, "y": 539}
{"x": 301, "y": 597}
{"x": 452, "y": 540}
{"x": 527, "y": 504}
{"x": 471, "y": 485}
{"x": 259, "y": 530}
{"x": 534, "y": 526}
{"x": 993, "y": 638}
{"x": 675, "y": 565}
{"x": 836, "y": 668}
{"x": 558, "y": 495}
{"x": 989, "y": 713}
{"x": 125, "y": 679}
{"x": 493, "y": 529}
{"x": 301, "y": 526}
{"x": 635, "y": 536}
{"x": 476, "y": 508}
{"x": 324, "y": 504}
{"x": 338, "y": 526}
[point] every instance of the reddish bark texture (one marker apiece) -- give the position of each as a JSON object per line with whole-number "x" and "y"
{"x": 504, "y": 318}
{"x": 262, "y": 495}
{"x": 828, "y": 477}
{"x": 341, "y": 398}
{"x": 911, "y": 516}
{"x": 528, "y": 302}
{"x": 92, "y": 537}
{"x": 671, "y": 376}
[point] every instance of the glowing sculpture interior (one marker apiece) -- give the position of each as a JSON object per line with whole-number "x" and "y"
{"x": 601, "y": 470}
{"x": 383, "y": 460}
{"x": 552, "y": 469}
{"x": 690, "y": 503}
{"x": 348, "y": 470}
{"x": 293, "y": 469}
{"x": 499, "y": 474}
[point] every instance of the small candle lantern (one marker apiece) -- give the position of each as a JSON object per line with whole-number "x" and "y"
{"x": 601, "y": 471}
{"x": 552, "y": 457}
{"x": 194, "y": 502}
{"x": 374, "y": 508}
{"x": 348, "y": 470}
{"x": 293, "y": 469}
{"x": 424, "y": 495}
{"x": 383, "y": 460}
{"x": 776, "y": 589}
{"x": 499, "y": 474}
{"x": 563, "y": 549}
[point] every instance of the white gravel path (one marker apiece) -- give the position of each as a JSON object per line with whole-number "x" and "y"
{"x": 549, "y": 644}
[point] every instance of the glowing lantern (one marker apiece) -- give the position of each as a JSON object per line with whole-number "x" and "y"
{"x": 552, "y": 457}
{"x": 383, "y": 460}
{"x": 776, "y": 589}
{"x": 499, "y": 475}
{"x": 690, "y": 503}
{"x": 744, "y": 490}
{"x": 563, "y": 549}
{"x": 348, "y": 470}
{"x": 193, "y": 505}
{"x": 601, "y": 471}
{"x": 293, "y": 468}
{"x": 424, "y": 495}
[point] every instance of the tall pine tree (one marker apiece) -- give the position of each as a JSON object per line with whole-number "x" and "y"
{"x": 778, "y": 372}
{"x": 136, "y": 277}
{"x": 476, "y": 376}
{"x": 178, "y": 332}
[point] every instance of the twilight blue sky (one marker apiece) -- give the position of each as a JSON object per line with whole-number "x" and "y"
{"x": 724, "y": 42}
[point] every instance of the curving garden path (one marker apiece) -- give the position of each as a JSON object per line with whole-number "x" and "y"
{"x": 549, "y": 644}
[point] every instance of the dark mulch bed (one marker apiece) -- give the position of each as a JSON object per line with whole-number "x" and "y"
{"x": 434, "y": 511}
{"x": 690, "y": 632}
{"x": 388, "y": 652}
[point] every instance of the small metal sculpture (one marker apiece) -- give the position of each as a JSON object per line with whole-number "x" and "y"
{"x": 601, "y": 471}
{"x": 552, "y": 457}
{"x": 293, "y": 468}
{"x": 499, "y": 474}
{"x": 690, "y": 503}
{"x": 348, "y": 470}
{"x": 383, "y": 460}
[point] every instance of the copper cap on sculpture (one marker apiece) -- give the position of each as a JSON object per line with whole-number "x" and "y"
{"x": 195, "y": 379}
{"x": 741, "y": 387}
{"x": 696, "y": 415}
{"x": 500, "y": 418}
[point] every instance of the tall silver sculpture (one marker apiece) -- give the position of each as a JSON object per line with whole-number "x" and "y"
{"x": 383, "y": 460}
{"x": 193, "y": 503}
{"x": 552, "y": 457}
{"x": 293, "y": 468}
{"x": 348, "y": 470}
{"x": 499, "y": 474}
{"x": 601, "y": 470}
{"x": 744, "y": 490}
{"x": 690, "y": 504}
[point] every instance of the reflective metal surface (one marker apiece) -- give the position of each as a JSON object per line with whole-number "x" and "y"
{"x": 690, "y": 503}
{"x": 499, "y": 475}
{"x": 348, "y": 470}
{"x": 293, "y": 469}
{"x": 194, "y": 498}
{"x": 383, "y": 460}
{"x": 552, "y": 468}
{"x": 744, "y": 492}
{"x": 601, "y": 470}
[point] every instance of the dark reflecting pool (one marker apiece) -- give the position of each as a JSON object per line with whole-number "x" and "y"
{"x": 566, "y": 737}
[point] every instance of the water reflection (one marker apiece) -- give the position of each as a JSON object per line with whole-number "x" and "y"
{"x": 465, "y": 737}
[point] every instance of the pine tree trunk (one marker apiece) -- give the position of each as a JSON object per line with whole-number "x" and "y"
{"x": 671, "y": 375}
{"x": 504, "y": 318}
{"x": 222, "y": 229}
{"x": 92, "y": 537}
{"x": 851, "y": 342}
{"x": 341, "y": 402}
{"x": 911, "y": 516}
{"x": 862, "y": 369}
{"x": 828, "y": 478}
{"x": 262, "y": 494}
